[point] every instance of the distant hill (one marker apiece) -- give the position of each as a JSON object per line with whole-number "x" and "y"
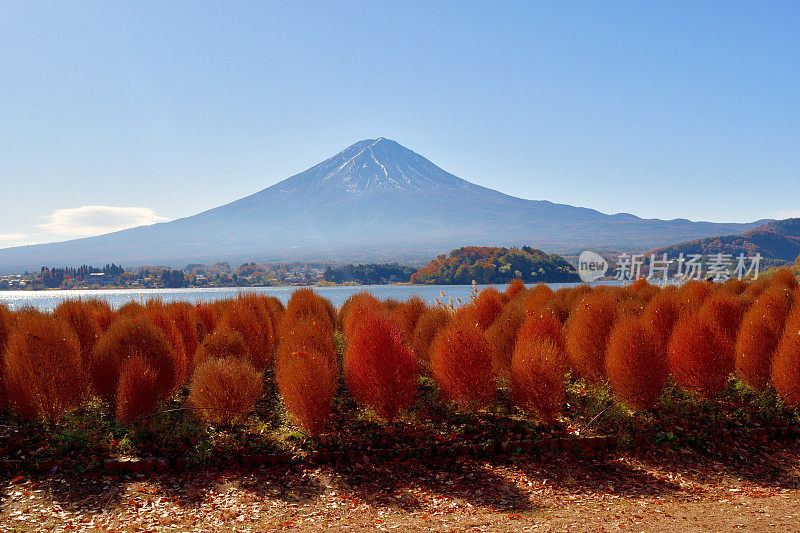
{"x": 495, "y": 265}
{"x": 778, "y": 241}
{"x": 375, "y": 201}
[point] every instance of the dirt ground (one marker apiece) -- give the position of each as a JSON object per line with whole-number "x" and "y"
{"x": 659, "y": 490}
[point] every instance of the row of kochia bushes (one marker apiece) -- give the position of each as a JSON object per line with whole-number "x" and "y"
{"x": 634, "y": 339}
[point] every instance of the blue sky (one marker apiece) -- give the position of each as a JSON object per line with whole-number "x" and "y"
{"x": 661, "y": 109}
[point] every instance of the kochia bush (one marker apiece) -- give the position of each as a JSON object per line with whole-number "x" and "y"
{"x": 307, "y": 372}
{"x": 380, "y": 368}
{"x": 587, "y": 333}
{"x": 461, "y": 363}
{"x": 537, "y": 376}
{"x": 43, "y": 374}
{"x": 224, "y": 391}
{"x": 137, "y": 391}
{"x": 759, "y": 335}
{"x": 785, "y": 371}
{"x": 700, "y": 356}
{"x": 636, "y": 371}
{"x": 128, "y": 337}
{"x": 426, "y": 329}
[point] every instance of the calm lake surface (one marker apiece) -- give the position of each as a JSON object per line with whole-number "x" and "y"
{"x": 48, "y": 300}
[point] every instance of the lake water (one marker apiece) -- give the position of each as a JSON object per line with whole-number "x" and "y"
{"x": 48, "y": 300}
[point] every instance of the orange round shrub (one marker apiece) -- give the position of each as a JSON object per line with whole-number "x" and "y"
{"x": 538, "y": 297}
{"x": 461, "y": 363}
{"x": 700, "y": 356}
{"x": 692, "y": 294}
{"x": 502, "y": 335}
{"x": 307, "y": 373}
{"x": 515, "y": 287}
{"x": 544, "y": 325}
{"x": 380, "y": 368}
{"x": 6, "y": 322}
{"x": 224, "y": 343}
{"x": 137, "y": 391}
{"x": 488, "y": 306}
{"x": 208, "y": 314}
{"x": 725, "y": 311}
{"x": 225, "y": 391}
{"x": 636, "y": 372}
{"x": 427, "y": 327}
{"x": 83, "y": 321}
{"x": 252, "y": 317}
{"x": 102, "y": 311}
{"x": 759, "y": 335}
{"x": 785, "y": 370}
{"x": 43, "y": 375}
{"x": 784, "y": 277}
{"x": 305, "y": 304}
{"x": 355, "y": 308}
{"x": 587, "y": 333}
{"x": 537, "y": 377}
{"x": 659, "y": 318}
{"x": 158, "y": 315}
{"x": 126, "y": 338}
{"x": 408, "y": 313}
{"x": 184, "y": 319}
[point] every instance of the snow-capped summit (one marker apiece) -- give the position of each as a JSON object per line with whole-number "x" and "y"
{"x": 374, "y": 165}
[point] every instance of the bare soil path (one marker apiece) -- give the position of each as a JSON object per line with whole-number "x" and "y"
{"x": 658, "y": 490}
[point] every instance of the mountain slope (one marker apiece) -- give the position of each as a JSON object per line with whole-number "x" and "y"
{"x": 778, "y": 240}
{"x": 373, "y": 201}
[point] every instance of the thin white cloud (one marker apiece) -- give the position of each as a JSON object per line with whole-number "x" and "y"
{"x": 13, "y": 236}
{"x": 789, "y": 213}
{"x": 98, "y": 219}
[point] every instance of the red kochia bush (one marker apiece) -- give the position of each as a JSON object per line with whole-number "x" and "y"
{"x": 636, "y": 372}
{"x": 692, "y": 294}
{"x": 544, "y": 325}
{"x": 659, "y": 317}
{"x": 158, "y": 315}
{"x": 305, "y": 304}
{"x": 408, "y": 313}
{"x": 502, "y": 335}
{"x": 537, "y": 298}
{"x": 102, "y": 311}
{"x": 488, "y": 306}
{"x": 128, "y": 337}
{"x": 427, "y": 327}
{"x": 725, "y": 311}
{"x": 515, "y": 287}
{"x": 43, "y": 367}
{"x": 6, "y": 322}
{"x": 137, "y": 391}
{"x": 252, "y": 317}
{"x": 307, "y": 372}
{"x": 537, "y": 377}
{"x": 224, "y": 343}
{"x": 587, "y": 333}
{"x": 379, "y": 366}
{"x": 82, "y": 318}
{"x": 759, "y": 335}
{"x": 355, "y": 308}
{"x": 225, "y": 390}
{"x": 785, "y": 371}
{"x": 184, "y": 318}
{"x": 461, "y": 363}
{"x": 700, "y": 356}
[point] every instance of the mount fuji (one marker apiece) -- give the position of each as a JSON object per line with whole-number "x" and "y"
{"x": 376, "y": 200}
